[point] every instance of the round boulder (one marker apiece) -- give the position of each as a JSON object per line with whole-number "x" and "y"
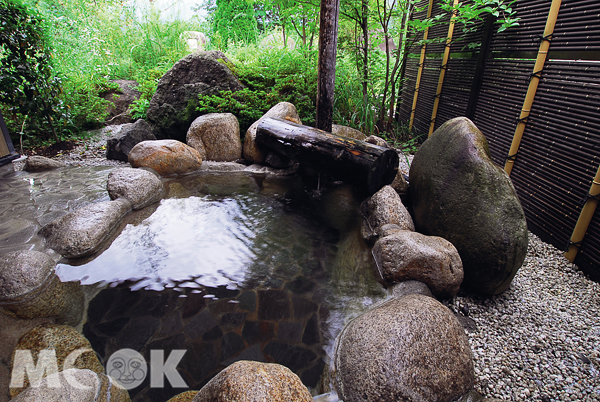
{"x": 283, "y": 110}
{"x": 71, "y": 348}
{"x": 75, "y": 385}
{"x": 348, "y": 132}
{"x": 166, "y": 157}
{"x": 173, "y": 106}
{"x": 30, "y": 289}
{"x": 459, "y": 194}
{"x": 124, "y": 138}
{"x": 216, "y": 136}
{"x": 407, "y": 255}
{"x": 383, "y": 208}
{"x": 406, "y": 349}
{"x": 249, "y": 381}
{"x": 37, "y": 163}
{"x": 140, "y": 187}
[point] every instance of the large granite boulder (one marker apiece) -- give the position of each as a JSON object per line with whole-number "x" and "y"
{"x": 166, "y": 157}
{"x": 71, "y": 349}
{"x": 121, "y": 99}
{"x": 283, "y": 110}
{"x": 249, "y": 381}
{"x": 29, "y": 289}
{"x": 432, "y": 260}
{"x": 406, "y": 349}
{"x": 348, "y": 132}
{"x": 140, "y": 187}
{"x": 216, "y": 136}
{"x": 125, "y": 137}
{"x": 173, "y": 106}
{"x": 81, "y": 232}
{"x": 37, "y": 163}
{"x": 384, "y": 208}
{"x": 459, "y": 194}
{"x": 75, "y": 385}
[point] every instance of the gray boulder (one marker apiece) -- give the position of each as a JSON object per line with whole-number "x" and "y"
{"x": 121, "y": 99}
{"x": 216, "y": 136}
{"x": 75, "y": 385}
{"x": 408, "y": 288}
{"x": 383, "y": 208}
{"x": 123, "y": 139}
{"x": 81, "y": 232}
{"x": 248, "y": 381}
{"x": 459, "y": 194}
{"x": 29, "y": 289}
{"x": 375, "y": 140}
{"x": 406, "y": 349}
{"x": 408, "y": 255}
{"x": 348, "y": 132}
{"x": 140, "y": 187}
{"x": 63, "y": 340}
{"x": 173, "y": 106}
{"x": 283, "y": 110}
{"x": 37, "y": 163}
{"x": 166, "y": 157}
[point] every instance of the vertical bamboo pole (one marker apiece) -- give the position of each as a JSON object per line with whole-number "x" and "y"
{"x": 436, "y": 103}
{"x": 587, "y": 213}
{"x": 420, "y": 72}
{"x": 533, "y": 84}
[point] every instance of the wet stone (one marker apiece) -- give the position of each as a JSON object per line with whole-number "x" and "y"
{"x": 16, "y": 232}
{"x": 247, "y": 301}
{"x": 137, "y": 332}
{"x": 253, "y": 353}
{"x": 312, "y": 332}
{"x": 193, "y": 304}
{"x": 233, "y": 320}
{"x": 200, "y": 324}
{"x": 258, "y": 331}
{"x": 111, "y": 328}
{"x": 176, "y": 341}
{"x": 289, "y": 331}
{"x": 201, "y": 360}
{"x": 231, "y": 343}
{"x": 170, "y": 324}
{"x": 311, "y": 376}
{"x": 273, "y": 304}
{"x": 293, "y": 357}
{"x": 303, "y": 307}
{"x": 213, "y": 334}
{"x": 300, "y": 285}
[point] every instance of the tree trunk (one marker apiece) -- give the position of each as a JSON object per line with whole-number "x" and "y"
{"x": 328, "y": 34}
{"x": 366, "y": 165}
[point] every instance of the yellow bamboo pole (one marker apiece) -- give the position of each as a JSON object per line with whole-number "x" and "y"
{"x": 585, "y": 217}
{"x": 533, "y": 85}
{"x": 436, "y": 103}
{"x": 420, "y": 72}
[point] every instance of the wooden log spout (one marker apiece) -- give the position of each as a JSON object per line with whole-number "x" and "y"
{"x": 365, "y": 165}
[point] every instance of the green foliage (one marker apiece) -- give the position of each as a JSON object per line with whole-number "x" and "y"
{"x": 247, "y": 105}
{"x": 28, "y": 83}
{"x": 234, "y": 22}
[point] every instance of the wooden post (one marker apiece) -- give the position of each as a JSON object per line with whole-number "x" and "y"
{"x": 328, "y": 33}
{"x": 587, "y": 213}
{"x": 366, "y": 165}
{"x": 420, "y": 72}
{"x": 533, "y": 84}
{"x": 438, "y": 92}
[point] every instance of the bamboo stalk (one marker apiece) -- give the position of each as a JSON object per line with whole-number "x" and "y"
{"x": 420, "y": 72}
{"x": 587, "y": 213}
{"x": 436, "y": 103}
{"x": 533, "y": 85}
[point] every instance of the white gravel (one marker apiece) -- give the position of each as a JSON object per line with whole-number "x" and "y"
{"x": 539, "y": 340}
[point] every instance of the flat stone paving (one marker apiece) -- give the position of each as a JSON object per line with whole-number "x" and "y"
{"x": 31, "y": 200}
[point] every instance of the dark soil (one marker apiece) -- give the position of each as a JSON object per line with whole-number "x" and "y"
{"x": 52, "y": 150}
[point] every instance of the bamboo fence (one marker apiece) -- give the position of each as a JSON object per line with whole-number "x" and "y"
{"x": 534, "y": 92}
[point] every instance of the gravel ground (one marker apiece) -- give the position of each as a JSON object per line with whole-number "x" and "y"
{"x": 538, "y": 341}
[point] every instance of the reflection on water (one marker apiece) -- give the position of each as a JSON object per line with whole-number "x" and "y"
{"x": 232, "y": 267}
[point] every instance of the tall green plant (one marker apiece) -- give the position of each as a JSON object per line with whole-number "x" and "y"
{"x": 234, "y": 22}
{"x": 28, "y": 82}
